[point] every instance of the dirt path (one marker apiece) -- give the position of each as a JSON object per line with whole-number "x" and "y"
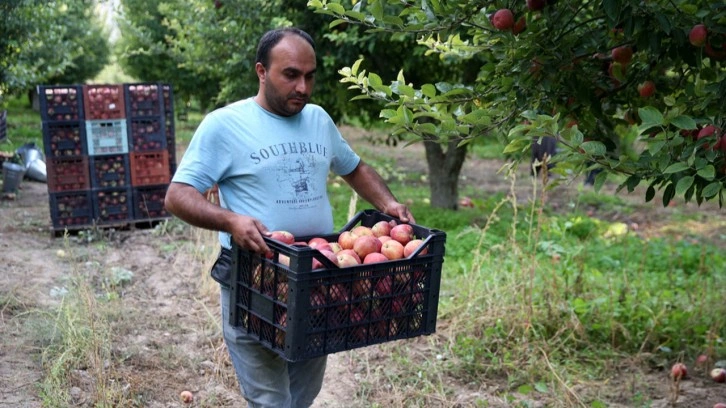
{"x": 167, "y": 330}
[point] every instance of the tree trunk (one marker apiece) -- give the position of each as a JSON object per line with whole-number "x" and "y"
{"x": 444, "y": 170}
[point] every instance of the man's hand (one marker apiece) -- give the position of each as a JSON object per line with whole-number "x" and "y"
{"x": 247, "y": 232}
{"x": 401, "y": 212}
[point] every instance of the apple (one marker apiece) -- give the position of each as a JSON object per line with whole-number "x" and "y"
{"x": 187, "y": 397}
{"x": 285, "y": 237}
{"x": 328, "y": 254}
{"x": 720, "y": 405}
{"x": 519, "y": 26}
{"x": 374, "y": 257}
{"x": 622, "y": 54}
{"x": 679, "y": 371}
{"x": 646, "y": 89}
{"x": 381, "y": 228}
{"x": 392, "y": 249}
{"x": 503, "y": 19}
{"x": 412, "y": 246}
{"x": 335, "y": 247}
{"x": 536, "y": 5}
{"x": 315, "y": 241}
{"x": 702, "y": 359}
{"x": 718, "y": 375}
{"x": 402, "y": 233}
{"x": 362, "y": 230}
{"x": 350, "y": 252}
{"x": 384, "y": 238}
{"x": 346, "y": 239}
{"x": 366, "y": 244}
{"x": 697, "y": 35}
{"x": 345, "y": 260}
{"x": 361, "y": 287}
{"x": 707, "y": 131}
{"x": 384, "y": 285}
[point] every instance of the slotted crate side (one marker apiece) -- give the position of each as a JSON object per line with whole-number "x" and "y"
{"x": 61, "y": 103}
{"x": 146, "y": 134}
{"x": 149, "y": 168}
{"x": 71, "y": 209}
{"x": 110, "y": 171}
{"x": 103, "y": 102}
{"x": 144, "y": 100}
{"x": 168, "y": 93}
{"x": 64, "y": 139}
{"x": 106, "y": 137}
{"x": 149, "y": 202}
{"x": 3, "y": 125}
{"x": 301, "y": 313}
{"x": 170, "y": 141}
{"x": 112, "y": 205}
{"x": 68, "y": 174}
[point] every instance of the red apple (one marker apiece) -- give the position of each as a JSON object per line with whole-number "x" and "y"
{"x": 335, "y": 247}
{"x": 381, "y": 228}
{"x": 346, "y": 239}
{"x": 345, "y": 260}
{"x": 646, "y": 89}
{"x": 503, "y": 19}
{"x": 384, "y": 286}
{"x": 412, "y": 246}
{"x": 707, "y": 131}
{"x": 186, "y": 396}
{"x": 384, "y": 238}
{"x": 697, "y": 35}
{"x": 315, "y": 241}
{"x": 350, "y": 252}
{"x": 718, "y": 375}
{"x": 622, "y": 54}
{"x": 365, "y": 245}
{"x": 402, "y": 233}
{"x": 328, "y": 254}
{"x": 536, "y": 5}
{"x": 519, "y": 26}
{"x": 374, "y": 257}
{"x": 285, "y": 237}
{"x": 720, "y": 405}
{"x": 679, "y": 371}
{"x": 392, "y": 249}
{"x": 362, "y": 230}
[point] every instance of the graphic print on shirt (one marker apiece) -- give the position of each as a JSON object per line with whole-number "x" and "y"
{"x": 297, "y": 166}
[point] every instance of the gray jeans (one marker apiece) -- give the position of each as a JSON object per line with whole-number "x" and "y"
{"x": 266, "y": 379}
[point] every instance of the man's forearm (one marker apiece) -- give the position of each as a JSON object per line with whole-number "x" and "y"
{"x": 370, "y": 186}
{"x": 185, "y": 202}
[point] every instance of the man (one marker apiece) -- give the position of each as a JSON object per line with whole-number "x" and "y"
{"x": 270, "y": 155}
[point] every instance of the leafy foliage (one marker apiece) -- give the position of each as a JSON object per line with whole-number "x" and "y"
{"x": 556, "y": 73}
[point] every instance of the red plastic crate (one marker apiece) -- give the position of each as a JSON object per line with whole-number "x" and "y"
{"x": 143, "y": 100}
{"x": 112, "y": 205}
{"x": 102, "y": 102}
{"x": 71, "y": 209}
{"x": 64, "y": 139}
{"x": 110, "y": 171}
{"x": 68, "y": 174}
{"x": 148, "y": 168}
{"x": 61, "y": 103}
{"x": 106, "y": 137}
{"x": 301, "y": 313}
{"x": 146, "y": 134}
{"x": 149, "y": 202}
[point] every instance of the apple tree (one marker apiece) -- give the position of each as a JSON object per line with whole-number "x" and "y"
{"x": 634, "y": 87}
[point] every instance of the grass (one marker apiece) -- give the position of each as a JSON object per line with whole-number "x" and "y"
{"x": 539, "y": 302}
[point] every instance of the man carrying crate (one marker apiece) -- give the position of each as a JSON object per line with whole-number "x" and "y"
{"x": 270, "y": 155}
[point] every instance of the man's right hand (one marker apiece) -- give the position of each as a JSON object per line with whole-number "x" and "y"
{"x": 247, "y": 232}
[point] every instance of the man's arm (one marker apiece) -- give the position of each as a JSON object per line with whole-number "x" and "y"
{"x": 372, "y": 188}
{"x": 185, "y": 202}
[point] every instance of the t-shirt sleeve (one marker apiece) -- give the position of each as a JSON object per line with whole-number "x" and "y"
{"x": 207, "y": 157}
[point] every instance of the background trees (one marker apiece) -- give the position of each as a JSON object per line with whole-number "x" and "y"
{"x": 618, "y": 82}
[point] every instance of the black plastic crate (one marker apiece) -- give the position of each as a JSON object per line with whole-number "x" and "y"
{"x": 71, "y": 209}
{"x": 301, "y": 313}
{"x": 149, "y": 202}
{"x": 144, "y": 99}
{"x": 64, "y": 139}
{"x": 63, "y": 102}
{"x": 112, "y": 205}
{"x": 146, "y": 134}
{"x": 110, "y": 171}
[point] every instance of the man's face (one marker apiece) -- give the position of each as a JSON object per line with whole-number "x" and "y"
{"x": 288, "y": 82}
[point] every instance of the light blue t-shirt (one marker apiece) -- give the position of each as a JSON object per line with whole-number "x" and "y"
{"x": 270, "y": 167}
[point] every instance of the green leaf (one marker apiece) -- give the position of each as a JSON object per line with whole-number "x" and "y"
{"x": 612, "y": 10}
{"x": 684, "y": 122}
{"x": 668, "y": 194}
{"x": 428, "y": 90}
{"x": 600, "y": 180}
{"x": 336, "y": 8}
{"x": 355, "y": 67}
{"x": 712, "y": 189}
{"x": 650, "y": 117}
{"x": 593, "y": 148}
{"x": 676, "y": 167}
{"x": 684, "y": 184}
{"x": 708, "y": 172}
{"x": 649, "y": 194}
{"x": 374, "y": 80}
{"x": 525, "y": 389}
{"x": 541, "y": 387}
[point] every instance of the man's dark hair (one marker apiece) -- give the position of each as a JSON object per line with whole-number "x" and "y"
{"x": 272, "y": 37}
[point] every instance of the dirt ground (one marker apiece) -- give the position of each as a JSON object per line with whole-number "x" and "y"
{"x": 169, "y": 337}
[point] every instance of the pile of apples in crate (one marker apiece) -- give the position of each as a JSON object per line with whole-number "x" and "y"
{"x": 384, "y": 241}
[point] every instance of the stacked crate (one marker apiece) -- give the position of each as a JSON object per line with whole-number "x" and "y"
{"x": 107, "y": 154}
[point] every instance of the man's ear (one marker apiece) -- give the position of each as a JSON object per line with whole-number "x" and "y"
{"x": 261, "y": 71}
